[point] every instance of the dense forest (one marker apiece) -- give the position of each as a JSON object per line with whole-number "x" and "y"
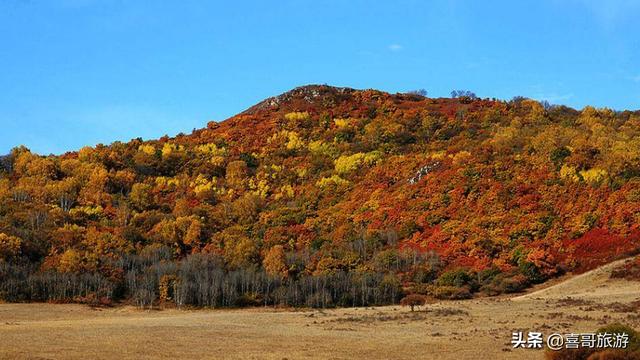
{"x": 324, "y": 197}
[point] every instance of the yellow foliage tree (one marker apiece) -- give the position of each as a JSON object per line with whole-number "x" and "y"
{"x": 237, "y": 173}
{"x": 105, "y": 244}
{"x": 141, "y": 196}
{"x": 92, "y": 192}
{"x": 86, "y": 154}
{"x": 348, "y": 163}
{"x": 293, "y": 141}
{"x": 9, "y": 246}
{"x": 169, "y": 148}
{"x": 203, "y": 187}
{"x": 260, "y": 187}
{"x": 286, "y": 192}
{"x": 238, "y": 249}
{"x": 319, "y": 147}
{"x": 275, "y": 261}
{"x": 334, "y": 180}
{"x": 147, "y": 149}
{"x": 341, "y": 123}
{"x": 297, "y": 116}
{"x": 593, "y": 176}
{"x": 568, "y": 173}
{"x": 70, "y": 261}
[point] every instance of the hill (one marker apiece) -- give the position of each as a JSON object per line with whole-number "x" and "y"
{"x": 327, "y": 196}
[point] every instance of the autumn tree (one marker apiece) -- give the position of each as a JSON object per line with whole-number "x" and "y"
{"x": 141, "y": 196}
{"x": 236, "y": 173}
{"x": 413, "y": 300}
{"x": 275, "y": 261}
{"x": 9, "y": 247}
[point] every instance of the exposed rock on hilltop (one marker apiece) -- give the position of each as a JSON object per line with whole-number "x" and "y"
{"x": 309, "y": 93}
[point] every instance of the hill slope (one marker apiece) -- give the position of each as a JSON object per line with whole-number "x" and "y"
{"x": 596, "y": 284}
{"x": 438, "y": 194}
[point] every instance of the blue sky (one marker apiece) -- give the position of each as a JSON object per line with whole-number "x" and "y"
{"x": 82, "y": 72}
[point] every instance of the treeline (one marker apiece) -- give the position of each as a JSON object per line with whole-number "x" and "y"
{"x": 154, "y": 277}
{"x": 20, "y": 283}
{"x": 199, "y": 280}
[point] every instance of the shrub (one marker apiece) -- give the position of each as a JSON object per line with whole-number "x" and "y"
{"x": 531, "y": 271}
{"x": 488, "y": 275}
{"x": 514, "y": 284}
{"x": 424, "y": 275}
{"x": 505, "y": 284}
{"x": 451, "y": 292}
{"x": 457, "y": 278}
{"x": 629, "y": 271}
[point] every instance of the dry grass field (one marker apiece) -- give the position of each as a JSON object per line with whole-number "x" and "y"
{"x": 472, "y": 329}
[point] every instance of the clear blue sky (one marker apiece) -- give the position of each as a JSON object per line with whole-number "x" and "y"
{"x": 82, "y": 72}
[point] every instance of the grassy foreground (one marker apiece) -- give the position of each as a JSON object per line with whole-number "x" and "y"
{"x": 472, "y": 329}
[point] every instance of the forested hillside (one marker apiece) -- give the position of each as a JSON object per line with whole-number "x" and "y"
{"x": 326, "y": 196}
